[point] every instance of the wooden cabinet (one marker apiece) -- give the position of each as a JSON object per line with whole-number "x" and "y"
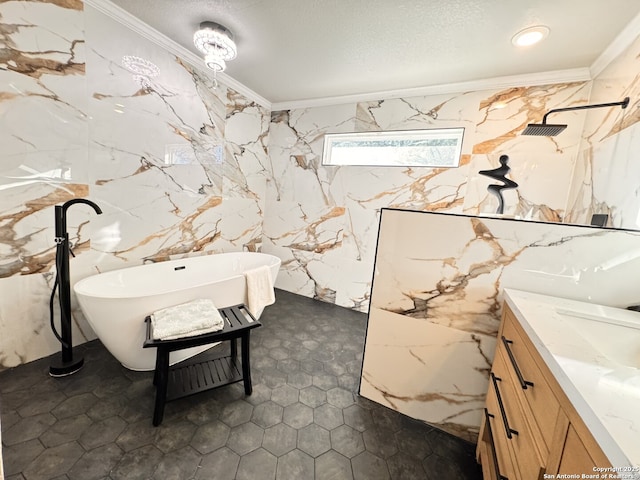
{"x": 529, "y": 427}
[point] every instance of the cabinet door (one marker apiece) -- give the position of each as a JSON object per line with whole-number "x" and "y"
{"x": 575, "y": 456}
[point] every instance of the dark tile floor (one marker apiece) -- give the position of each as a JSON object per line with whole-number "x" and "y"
{"x": 303, "y": 421}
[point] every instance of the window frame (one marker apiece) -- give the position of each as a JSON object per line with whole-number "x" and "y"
{"x": 333, "y": 139}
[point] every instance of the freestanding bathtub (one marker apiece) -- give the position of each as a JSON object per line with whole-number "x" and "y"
{"x": 115, "y": 303}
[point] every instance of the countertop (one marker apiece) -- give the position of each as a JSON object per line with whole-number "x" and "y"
{"x": 604, "y": 392}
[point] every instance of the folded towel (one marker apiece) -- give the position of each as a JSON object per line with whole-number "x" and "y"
{"x": 259, "y": 289}
{"x": 187, "y": 319}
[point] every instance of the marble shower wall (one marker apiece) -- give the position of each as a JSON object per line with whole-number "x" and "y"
{"x": 178, "y": 166}
{"x": 437, "y": 295}
{"x": 606, "y": 176}
{"x": 44, "y": 137}
{"x": 322, "y": 221}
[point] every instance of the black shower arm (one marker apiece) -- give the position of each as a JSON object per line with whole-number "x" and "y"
{"x": 624, "y": 103}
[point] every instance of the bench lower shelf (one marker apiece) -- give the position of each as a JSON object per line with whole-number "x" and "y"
{"x": 195, "y": 376}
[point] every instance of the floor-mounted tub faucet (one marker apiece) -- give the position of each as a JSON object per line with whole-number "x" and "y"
{"x": 65, "y": 364}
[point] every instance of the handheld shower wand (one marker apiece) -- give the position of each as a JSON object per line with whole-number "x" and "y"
{"x": 65, "y": 364}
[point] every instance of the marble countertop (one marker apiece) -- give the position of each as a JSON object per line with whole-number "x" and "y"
{"x": 584, "y": 347}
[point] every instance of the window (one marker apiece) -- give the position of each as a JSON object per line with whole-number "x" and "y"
{"x": 439, "y": 147}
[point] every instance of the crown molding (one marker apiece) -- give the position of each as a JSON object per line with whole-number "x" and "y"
{"x": 135, "y": 24}
{"x": 540, "y": 78}
{"x": 624, "y": 39}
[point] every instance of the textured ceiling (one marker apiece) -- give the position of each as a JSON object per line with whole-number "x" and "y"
{"x": 290, "y": 50}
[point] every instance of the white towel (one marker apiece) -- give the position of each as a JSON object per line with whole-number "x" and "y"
{"x": 187, "y": 319}
{"x": 259, "y": 289}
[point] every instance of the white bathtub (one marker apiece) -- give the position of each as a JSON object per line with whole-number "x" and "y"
{"x": 116, "y": 303}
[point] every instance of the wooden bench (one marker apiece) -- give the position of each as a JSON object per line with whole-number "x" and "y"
{"x": 199, "y": 374}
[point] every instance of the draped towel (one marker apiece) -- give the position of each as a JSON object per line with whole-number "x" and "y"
{"x": 259, "y": 289}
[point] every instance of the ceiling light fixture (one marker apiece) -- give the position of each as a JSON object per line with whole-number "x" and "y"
{"x": 530, "y": 36}
{"x": 216, "y": 42}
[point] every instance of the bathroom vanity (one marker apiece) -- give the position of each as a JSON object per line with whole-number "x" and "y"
{"x": 564, "y": 392}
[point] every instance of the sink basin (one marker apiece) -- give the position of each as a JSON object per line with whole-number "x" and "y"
{"x": 616, "y": 338}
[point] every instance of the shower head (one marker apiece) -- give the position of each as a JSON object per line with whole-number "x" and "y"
{"x": 545, "y": 129}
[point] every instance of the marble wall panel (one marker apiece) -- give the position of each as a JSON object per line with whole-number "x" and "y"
{"x": 540, "y": 165}
{"x": 305, "y": 192}
{"x": 24, "y": 320}
{"x": 604, "y": 180}
{"x": 427, "y": 371}
{"x": 181, "y": 185}
{"x": 44, "y": 128}
{"x": 542, "y": 186}
{"x": 437, "y": 294}
{"x": 178, "y": 164}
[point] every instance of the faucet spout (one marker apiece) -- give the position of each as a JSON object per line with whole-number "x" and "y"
{"x": 61, "y": 215}
{"x": 81, "y": 200}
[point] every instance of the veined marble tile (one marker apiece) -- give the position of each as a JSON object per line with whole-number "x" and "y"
{"x": 315, "y": 230}
{"x": 312, "y": 123}
{"x": 44, "y": 129}
{"x": 354, "y": 291}
{"x": 42, "y": 88}
{"x": 614, "y": 183}
{"x": 247, "y": 136}
{"x": 293, "y": 275}
{"x": 609, "y": 170}
{"x": 418, "y": 188}
{"x": 295, "y": 149}
{"x": 183, "y": 170}
{"x": 303, "y": 190}
{"x": 155, "y": 156}
{"x": 28, "y": 227}
{"x": 437, "y": 295}
{"x": 541, "y": 193}
{"x": 506, "y": 113}
{"x": 427, "y": 371}
{"x": 618, "y": 80}
{"x": 434, "y": 111}
{"x": 603, "y": 181}
{"x": 31, "y": 338}
{"x": 176, "y": 122}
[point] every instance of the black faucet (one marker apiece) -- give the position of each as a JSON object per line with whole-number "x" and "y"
{"x": 66, "y": 364}
{"x": 61, "y": 216}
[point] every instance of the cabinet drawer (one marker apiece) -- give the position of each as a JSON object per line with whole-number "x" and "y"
{"x": 501, "y": 446}
{"x": 523, "y": 368}
{"x": 524, "y": 449}
{"x": 487, "y": 451}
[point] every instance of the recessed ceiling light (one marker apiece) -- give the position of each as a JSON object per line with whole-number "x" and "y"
{"x": 530, "y": 36}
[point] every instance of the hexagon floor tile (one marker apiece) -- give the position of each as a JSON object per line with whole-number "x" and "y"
{"x": 304, "y": 420}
